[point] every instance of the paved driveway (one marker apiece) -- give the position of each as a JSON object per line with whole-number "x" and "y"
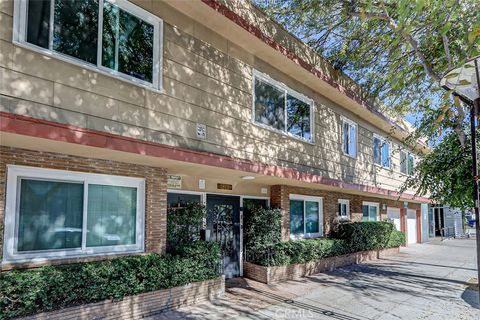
{"x": 426, "y": 281}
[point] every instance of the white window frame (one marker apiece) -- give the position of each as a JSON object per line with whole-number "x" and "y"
{"x": 353, "y": 124}
{"x": 407, "y": 154}
{"x": 282, "y": 87}
{"x": 306, "y": 235}
{"x": 382, "y": 141}
{"x": 15, "y": 173}
{"x": 346, "y": 202}
{"x": 20, "y": 29}
{"x": 372, "y": 204}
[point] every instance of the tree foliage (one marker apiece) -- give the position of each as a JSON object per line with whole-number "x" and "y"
{"x": 399, "y": 50}
{"x": 446, "y": 174}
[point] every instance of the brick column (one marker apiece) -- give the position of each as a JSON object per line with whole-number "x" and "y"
{"x": 279, "y": 198}
{"x": 419, "y": 226}
{"x": 403, "y": 223}
{"x": 156, "y": 211}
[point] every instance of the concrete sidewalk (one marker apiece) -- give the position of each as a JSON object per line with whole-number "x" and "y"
{"x": 427, "y": 281}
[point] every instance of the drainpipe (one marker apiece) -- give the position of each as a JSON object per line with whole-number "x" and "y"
{"x": 474, "y": 111}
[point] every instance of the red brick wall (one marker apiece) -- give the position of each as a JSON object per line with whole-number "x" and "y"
{"x": 155, "y": 186}
{"x": 280, "y": 199}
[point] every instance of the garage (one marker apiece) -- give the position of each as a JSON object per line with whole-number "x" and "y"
{"x": 412, "y": 226}
{"x": 394, "y": 215}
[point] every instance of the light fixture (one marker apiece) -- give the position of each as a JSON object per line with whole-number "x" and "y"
{"x": 248, "y": 177}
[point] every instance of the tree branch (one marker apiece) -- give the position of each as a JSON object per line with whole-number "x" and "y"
{"x": 392, "y": 25}
{"x": 447, "y": 51}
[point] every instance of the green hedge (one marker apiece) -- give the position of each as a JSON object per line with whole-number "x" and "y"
{"x": 24, "y": 292}
{"x": 363, "y": 236}
{"x": 300, "y": 251}
{"x": 347, "y": 238}
{"x": 397, "y": 239}
{"x": 184, "y": 225}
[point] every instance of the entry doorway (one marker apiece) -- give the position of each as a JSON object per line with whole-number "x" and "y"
{"x": 394, "y": 215}
{"x": 439, "y": 221}
{"x": 223, "y": 227}
{"x": 411, "y": 226}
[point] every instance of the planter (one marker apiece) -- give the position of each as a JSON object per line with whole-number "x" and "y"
{"x": 142, "y": 305}
{"x": 296, "y": 271}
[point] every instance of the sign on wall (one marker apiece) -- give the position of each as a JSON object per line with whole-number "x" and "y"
{"x": 174, "y": 182}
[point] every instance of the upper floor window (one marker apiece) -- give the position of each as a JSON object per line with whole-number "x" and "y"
{"x": 381, "y": 151}
{"x": 112, "y": 36}
{"x": 349, "y": 138}
{"x": 281, "y": 108}
{"x": 407, "y": 162}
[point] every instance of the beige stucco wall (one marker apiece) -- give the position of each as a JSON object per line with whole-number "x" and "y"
{"x": 206, "y": 79}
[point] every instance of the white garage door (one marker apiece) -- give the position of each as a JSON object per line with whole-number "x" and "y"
{"x": 412, "y": 226}
{"x": 394, "y": 214}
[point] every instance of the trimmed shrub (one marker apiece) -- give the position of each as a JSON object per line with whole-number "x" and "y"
{"x": 363, "y": 236}
{"x": 24, "y": 292}
{"x": 184, "y": 225}
{"x": 301, "y": 251}
{"x": 397, "y": 239}
{"x": 262, "y": 228}
{"x": 347, "y": 238}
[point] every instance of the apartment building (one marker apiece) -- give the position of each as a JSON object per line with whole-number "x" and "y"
{"x": 113, "y": 110}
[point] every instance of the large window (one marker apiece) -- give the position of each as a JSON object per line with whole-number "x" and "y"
{"x": 112, "y": 36}
{"x": 306, "y": 216}
{"x": 281, "y": 108}
{"x": 370, "y": 211}
{"x": 349, "y": 134}
{"x": 407, "y": 162}
{"x": 381, "y": 151}
{"x": 56, "y": 214}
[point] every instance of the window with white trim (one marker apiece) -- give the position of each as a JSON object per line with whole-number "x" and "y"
{"x": 370, "y": 211}
{"x": 306, "y": 216}
{"x": 407, "y": 163}
{"x": 110, "y": 36}
{"x": 281, "y": 108}
{"x": 57, "y": 214}
{"x": 349, "y": 133}
{"x": 343, "y": 209}
{"x": 381, "y": 151}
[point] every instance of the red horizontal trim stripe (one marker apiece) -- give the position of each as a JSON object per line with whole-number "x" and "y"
{"x": 44, "y": 129}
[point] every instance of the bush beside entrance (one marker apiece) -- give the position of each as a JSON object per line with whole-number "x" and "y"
{"x": 346, "y": 238}
{"x": 24, "y": 292}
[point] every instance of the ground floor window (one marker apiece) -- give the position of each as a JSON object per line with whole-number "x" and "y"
{"x": 55, "y": 214}
{"x": 180, "y": 199}
{"x": 343, "y": 209}
{"x": 370, "y": 211}
{"x": 306, "y": 216}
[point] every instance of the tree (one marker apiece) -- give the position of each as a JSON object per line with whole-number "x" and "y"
{"x": 397, "y": 49}
{"x": 445, "y": 173}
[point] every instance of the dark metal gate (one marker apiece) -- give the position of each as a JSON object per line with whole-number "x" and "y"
{"x": 223, "y": 227}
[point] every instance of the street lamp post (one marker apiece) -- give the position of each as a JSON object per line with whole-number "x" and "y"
{"x": 465, "y": 83}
